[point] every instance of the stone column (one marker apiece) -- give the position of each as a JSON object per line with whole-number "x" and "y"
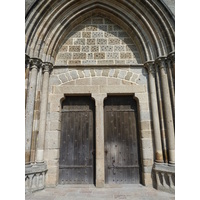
{"x": 27, "y": 63}
{"x": 43, "y": 113}
{"x": 154, "y": 106}
{"x": 170, "y": 61}
{"x": 100, "y": 167}
{"x": 34, "y": 66}
{"x": 168, "y": 117}
{"x": 160, "y": 106}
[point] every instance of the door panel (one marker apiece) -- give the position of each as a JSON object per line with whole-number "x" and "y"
{"x": 76, "y": 164}
{"x": 121, "y": 147}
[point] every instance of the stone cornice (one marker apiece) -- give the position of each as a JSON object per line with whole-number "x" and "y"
{"x": 149, "y": 65}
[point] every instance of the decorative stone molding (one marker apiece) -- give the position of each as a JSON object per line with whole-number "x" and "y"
{"x": 165, "y": 177}
{"x": 35, "y": 177}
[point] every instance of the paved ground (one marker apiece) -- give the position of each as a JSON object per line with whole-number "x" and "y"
{"x": 90, "y": 192}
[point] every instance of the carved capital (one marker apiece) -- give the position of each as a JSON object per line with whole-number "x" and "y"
{"x": 47, "y": 66}
{"x": 27, "y": 60}
{"x": 171, "y": 57}
{"x": 35, "y": 63}
{"x": 161, "y": 62}
{"x": 150, "y": 66}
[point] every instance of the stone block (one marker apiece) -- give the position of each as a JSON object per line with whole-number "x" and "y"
{"x": 117, "y": 28}
{"x": 69, "y": 42}
{"x": 147, "y": 162}
{"x": 91, "y": 42}
{"x": 114, "y": 41}
{"x": 90, "y": 56}
{"x": 147, "y": 169}
{"x": 87, "y": 73}
{"x": 134, "y": 77}
{"x": 114, "y": 81}
{"x": 101, "y": 41}
{"x": 122, "y": 74}
{"x": 63, "y": 78}
{"x": 74, "y": 62}
{"x": 85, "y": 81}
{"x": 147, "y": 154}
{"x": 111, "y": 72}
{"x": 52, "y": 139}
{"x": 68, "y": 76}
{"x": 128, "y": 76}
{"x": 147, "y": 179}
{"x": 98, "y": 72}
{"x": 146, "y": 143}
{"x": 127, "y": 82}
{"x": 116, "y": 73}
{"x": 112, "y": 55}
{"x": 79, "y": 56}
{"x": 105, "y": 62}
{"x": 75, "y": 34}
{"x": 74, "y": 48}
{"x": 99, "y": 55}
{"x": 125, "y": 55}
{"x": 79, "y": 41}
{"x": 122, "y": 34}
{"x": 52, "y": 154}
{"x": 92, "y": 72}
{"x": 91, "y": 28}
{"x": 54, "y": 80}
{"x": 145, "y": 116}
{"x": 143, "y": 97}
{"x": 60, "y": 71}
{"x": 119, "y": 62}
{"x": 102, "y": 27}
{"x": 54, "y": 116}
{"x": 128, "y": 41}
{"x": 55, "y": 126}
{"x": 51, "y": 180}
{"x": 85, "y": 48}
{"x": 145, "y": 125}
{"x": 144, "y": 106}
{"x": 54, "y": 107}
{"x": 142, "y": 79}
{"x": 74, "y": 74}
{"x": 107, "y": 21}
{"x": 86, "y": 34}
{"x": 132, "y": 48}
{"x": 112, "y": 34}
{"x": 131, "y": 62}
{"x": 99, "y": 81}
{"x": 94, "y": 48}
{"x": 53, "y": 164}
{"x": 64, "y": 55}
{"x": 96, "y": 20}
{"x": 105, "y": 72}
{"x": 97, "y": 34}
{"x": 106, "y": 48}
{"x": 80, "y": 73}
{"x": 119, "y": 48}
{"x": 89, "y": 62}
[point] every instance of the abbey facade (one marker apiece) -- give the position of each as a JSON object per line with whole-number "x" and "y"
{"x": 99, "y": 86}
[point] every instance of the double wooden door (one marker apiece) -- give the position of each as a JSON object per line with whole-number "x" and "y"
{"x": 121, "y": 146}
{"x": 76, "y": 164}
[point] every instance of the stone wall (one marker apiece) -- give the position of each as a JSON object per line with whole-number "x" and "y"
{"x": 98, "y": 41}
{"x": 96, "y": 80}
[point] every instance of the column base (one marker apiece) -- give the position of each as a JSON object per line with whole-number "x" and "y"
{"x": 100, "y": 184}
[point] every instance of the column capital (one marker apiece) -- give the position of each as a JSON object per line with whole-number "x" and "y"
{"x": 161, "y": 62}
{"x": 47, "y": 66}
{"x": 27, "y": 60}
{"x": 149, "y": 65}
{"x": 35, "y": 63}
{"x": 171, "y": 57}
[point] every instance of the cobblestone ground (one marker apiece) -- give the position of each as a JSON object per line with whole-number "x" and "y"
{"x": 90, "y": 192}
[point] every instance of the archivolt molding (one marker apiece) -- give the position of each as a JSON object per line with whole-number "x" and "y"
{"x": 148, "y": 23}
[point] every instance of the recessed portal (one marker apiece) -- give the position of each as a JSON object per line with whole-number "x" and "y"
{"x": 76, "y": 164}
{"x": 121, "y": 143}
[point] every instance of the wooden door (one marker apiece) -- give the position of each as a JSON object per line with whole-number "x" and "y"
{"x": 76, "y": 164}
{"x": 121, "y": 144}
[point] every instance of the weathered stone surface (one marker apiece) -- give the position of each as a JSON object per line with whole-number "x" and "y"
{"x": 74, "y": 74}
{"x": 63, "y": 78}
{"x": 54, "y": 80}
{"x": 85, "y": 81}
